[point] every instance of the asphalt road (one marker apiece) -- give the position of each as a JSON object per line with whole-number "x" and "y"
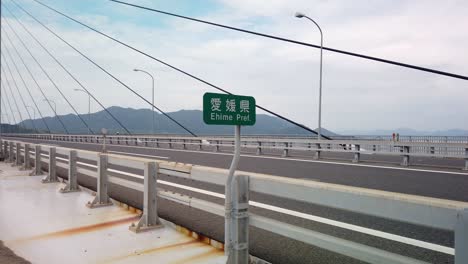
{"x": 442, "y": 179}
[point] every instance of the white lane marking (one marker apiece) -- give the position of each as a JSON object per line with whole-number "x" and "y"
{"x": 288, "y": 159}
{"x": 137, "y": 154}
{"x": 360, "y": 229}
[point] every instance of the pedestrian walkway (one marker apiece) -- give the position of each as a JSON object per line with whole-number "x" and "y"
{"x": 42, "y": 225}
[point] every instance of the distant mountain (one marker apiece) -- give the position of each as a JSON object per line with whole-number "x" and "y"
{"x": 408, "y": 132}
{"x": 138, "y": 121}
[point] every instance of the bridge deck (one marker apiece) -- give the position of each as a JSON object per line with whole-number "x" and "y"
{"x": 44, "y": 226}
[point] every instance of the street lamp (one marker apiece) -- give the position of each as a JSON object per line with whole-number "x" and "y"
{"x": 319, "y": 132}
{"x": 55, "y": 105}
{"x": 152, "y": 102}
{"x": 89, "y": 106}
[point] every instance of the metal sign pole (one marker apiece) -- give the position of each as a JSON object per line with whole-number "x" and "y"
{"x": 228, "y": 188}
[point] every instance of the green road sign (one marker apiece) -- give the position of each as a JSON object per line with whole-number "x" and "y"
{"x": 225, "y": 109}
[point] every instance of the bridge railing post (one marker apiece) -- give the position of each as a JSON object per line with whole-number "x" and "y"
{"x": 286, "y": 150}
{"x": 259, "y": 148}
{"x": 37, "y": 160}
{"x": 52, "y": 176}
{"x": 406, "y": 157}
{"x": 18, "y": 154}
{"x": 102, "y": 196}
{"x": 239, "y": 251}
{"x": 5, "y": 151}
{"x": 317, "y": 152}
{"x": 149, "y": 220}
{"x": 72, "y": 185}
{"x": 357, "y": 153}
{"x": 27, "y": 157}
{"x": 466, "y": 159}
{"x": 11, "y": 153}
{"x": 461, "y": 237}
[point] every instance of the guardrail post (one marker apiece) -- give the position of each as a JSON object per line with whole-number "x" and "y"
{"x": 461, "y": 237}
{"x": 199, "y": 145}
{"x": 149, "y": 220}
{"x": 285, "y": 150}
{"x": 52, "y": 176}
{"x": 157, "y": 143}
{"x": 18, "y": 154}
{"x": 170, "y": 143}
{"x": 136, "y": 141}
{"x": 27, "y": 159}
{"x": 102, "y": 196}
{"x": 259, "y": 148}
{"x": 11, "y": 153}
{"x": 239, "y": 251}
{"x": 466, "y": 159}
{"x": 72, "y": 185}
{"x": 357, "y": 153}
{"x": 216, "y": 147}
{"x": 406, "y": 157}
{"x": 317, "y": 152}
{"x": 184, "y": 146}
{"x": 146, "y": 142}
{"x": 5, "y": 151}
{"x": 37, "y": 160}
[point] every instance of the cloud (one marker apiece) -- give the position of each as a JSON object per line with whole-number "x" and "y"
{"x": 282, "y": 76}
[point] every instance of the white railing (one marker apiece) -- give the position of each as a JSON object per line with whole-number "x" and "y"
{"x": 417, "y": 210}
{"x": 405, "y": 149}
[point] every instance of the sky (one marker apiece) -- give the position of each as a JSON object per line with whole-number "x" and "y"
{"x": 357, "y": 94}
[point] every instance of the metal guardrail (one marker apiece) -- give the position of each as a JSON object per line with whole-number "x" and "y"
{"x": 417, "y": 210}
{"x": 405, "y": 149}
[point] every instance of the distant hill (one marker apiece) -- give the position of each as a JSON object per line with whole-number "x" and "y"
{"x": 408, "y": 132}
{"x": 138, "y": 121}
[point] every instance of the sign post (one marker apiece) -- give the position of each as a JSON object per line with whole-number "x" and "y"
{"x": 225, "y": 109}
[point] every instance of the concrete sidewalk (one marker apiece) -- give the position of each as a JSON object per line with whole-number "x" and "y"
{"x": 42, "y": 225}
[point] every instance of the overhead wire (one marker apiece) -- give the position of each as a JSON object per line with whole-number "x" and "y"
{"x": 66, "y": 70}
{"x": 18, "y": 90}
{"x": 367, "y": 57}
{"x": 48, "y": 77}
{"x": 105, "y": 71}
{"x": 162, "y": 62}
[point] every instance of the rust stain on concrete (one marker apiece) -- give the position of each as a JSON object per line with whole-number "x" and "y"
{"x": 82, "y": 229}
{"x": 156, "y": 249}
{"x": 212, "y": 252}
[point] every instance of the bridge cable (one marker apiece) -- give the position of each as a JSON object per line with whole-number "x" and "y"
{"x": 19, "y": 93}
{"x": 9, "y": 105}
{"x": 401, "y": 64}
{"x": 66, "y": 70}
{"x": 29, "y": 93}
{"x": 11, "y": 111}
{"x": 32, "y": 97}
{"x": 5, "y": 111}
{"x": 48, "y": 76}
{"x": 107, "y": 72}
{"x": 169, "y": 65}
{"x": 13, "y": 96}
{"x": 45, "y": 99}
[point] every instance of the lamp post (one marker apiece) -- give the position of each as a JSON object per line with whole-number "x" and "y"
{"x": 319, "y": 132}
{"x": 152, "y": 102}
{"x": 89, "y": 107}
